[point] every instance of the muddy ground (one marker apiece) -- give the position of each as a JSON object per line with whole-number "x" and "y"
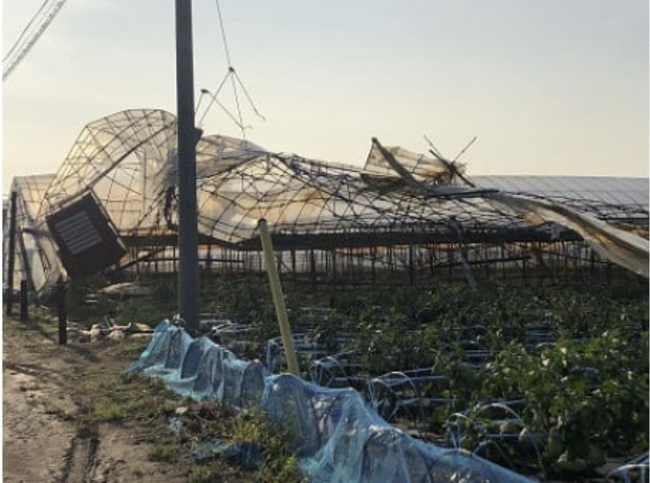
{"x": 48, "y": 396}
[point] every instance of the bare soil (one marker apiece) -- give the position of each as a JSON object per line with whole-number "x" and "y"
{"x": 48, "y": 397}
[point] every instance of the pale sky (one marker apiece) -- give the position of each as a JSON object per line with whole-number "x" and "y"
{"x": 555, "y": 87}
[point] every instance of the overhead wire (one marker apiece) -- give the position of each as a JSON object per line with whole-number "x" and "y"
{"x": 230, "y": 67}
{"x": 213, "y": 97}
{"x": 214, "y": 100}
{"x": 223, "y": 34}
{"x": 24, "y": 32}
{"x": 236, "y": 83}
{"x": 22, "y": 46}
{"x": 248, "y": 97}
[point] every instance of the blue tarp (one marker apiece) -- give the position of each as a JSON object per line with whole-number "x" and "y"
{"x": 337, "y": 436}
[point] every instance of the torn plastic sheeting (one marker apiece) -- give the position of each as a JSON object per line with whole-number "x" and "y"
{"x": 336, "y": 435}
{"x": 619, "y": 246}
{"x": 420, "y": 166}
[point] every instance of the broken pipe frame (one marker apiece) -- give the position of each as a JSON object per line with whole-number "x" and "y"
{"x": 618, "y": 246}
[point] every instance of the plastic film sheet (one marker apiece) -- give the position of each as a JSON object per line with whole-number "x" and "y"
{"x": 337, "y": 436}
{"x": 621, "y": 247}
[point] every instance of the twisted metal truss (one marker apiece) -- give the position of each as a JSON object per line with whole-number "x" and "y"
{"x": 38, "y": 262}
{"x": 128, "y": 160}
{"x": 305, "y": 198}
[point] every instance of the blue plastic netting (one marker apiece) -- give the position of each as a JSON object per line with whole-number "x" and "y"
{"x": 335, "y": 433}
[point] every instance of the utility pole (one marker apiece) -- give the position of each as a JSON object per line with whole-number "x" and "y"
{"x": 188, "y": 270}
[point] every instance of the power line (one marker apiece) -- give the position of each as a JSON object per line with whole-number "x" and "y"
{"x": 28, "y": 43}
{"x": 24, "y": 32}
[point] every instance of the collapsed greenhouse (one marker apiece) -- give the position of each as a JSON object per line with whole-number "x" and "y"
{"x": 404, "y": 359}
{"x": 111, "y": 207}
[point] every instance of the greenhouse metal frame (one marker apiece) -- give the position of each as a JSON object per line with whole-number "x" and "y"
{"x": 403, "y": 212}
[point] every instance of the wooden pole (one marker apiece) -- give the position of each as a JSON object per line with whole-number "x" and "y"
{"x": 278, "y": 299}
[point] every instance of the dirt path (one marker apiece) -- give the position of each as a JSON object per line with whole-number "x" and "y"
{"x": 45, "y": 398}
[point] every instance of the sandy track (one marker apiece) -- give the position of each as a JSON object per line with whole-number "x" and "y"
{"x": 42, "y": 399}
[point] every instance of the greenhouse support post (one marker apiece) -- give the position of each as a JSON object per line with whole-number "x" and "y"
{"x": 278, "y": 299}
{"x": 11, "y": 256}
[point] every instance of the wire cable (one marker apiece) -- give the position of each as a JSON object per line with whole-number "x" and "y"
{"x": 234, "y": 91}
{"x": 236, "y": 83}
{"x": 230, "y": 68}
{"x": 22, "y": 34}
{"x": 223, "y": 34}
{"x": 213, "y": 97}
{"x": 8, "y": 67}
{"x": 248, "y": 97}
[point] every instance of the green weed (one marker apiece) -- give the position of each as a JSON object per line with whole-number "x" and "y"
{"x": 202, "y": 474}
{"x": 164, "y": 453}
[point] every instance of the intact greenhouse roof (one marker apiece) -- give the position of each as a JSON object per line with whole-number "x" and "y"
{"x": 604, "y": 196}
{"x": 608, "y": 189}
